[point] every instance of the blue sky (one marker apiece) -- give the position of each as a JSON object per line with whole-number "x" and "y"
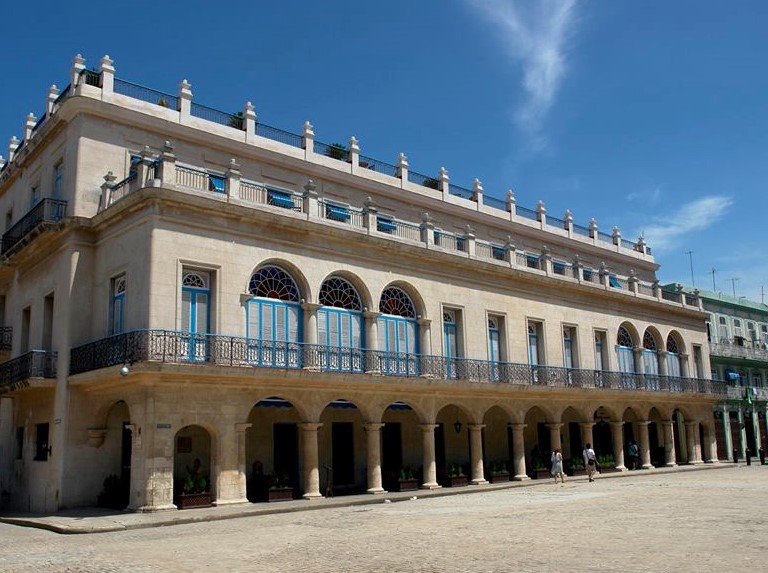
{"x": 652, "y": 116}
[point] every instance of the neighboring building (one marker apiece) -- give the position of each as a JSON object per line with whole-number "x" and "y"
{"x": 737, "y": 330}
{"x": 187, "y": 285}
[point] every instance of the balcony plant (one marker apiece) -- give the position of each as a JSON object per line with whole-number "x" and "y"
{"x": 498, "y": 471}
{"x": 338, "y": 151}
{"x": 406, "y": 480}
{"x": 280, "y": 487}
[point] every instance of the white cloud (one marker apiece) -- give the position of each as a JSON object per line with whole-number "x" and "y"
{"x": 665, "y": 232}
{"x": 534, "y": 35}
{"x": 651, "y": 198}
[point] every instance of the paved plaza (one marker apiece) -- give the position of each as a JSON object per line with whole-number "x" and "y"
{"x": 688, "y": 520}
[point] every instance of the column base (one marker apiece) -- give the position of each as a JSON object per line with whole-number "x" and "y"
{"x": 648, "y": 466}
{"x": 695, "y": 463}
{"x": 433, "y": 485}
{"x": 375, "y": 490}
{"x": 222, "y": 502}
{"x": 521, "y": 478}
{"x": 670, "y": 465}
{"x": 311, "y": 496}
{"x": 153, "y": 508}
{"x": 712, "y": 461}
{"x": 478, "y": 482}
{"x": 622, "y": 468}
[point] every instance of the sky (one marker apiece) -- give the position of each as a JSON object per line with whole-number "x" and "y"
{"x": 651, "y": 116}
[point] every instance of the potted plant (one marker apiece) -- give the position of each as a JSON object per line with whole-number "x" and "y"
{"x": 540, "y": 470}
{"x": 406, "y": 480}
{"x": 456, "y": 476}
{"x": 194, "y": 492}
{"x": 236, "y": 120}
{"x": 607, "y": 463}
{"x": 498, "y": 471}
{"x": 338, "y": 151}
{"x": 280, "y": 488}
{"x": 576, "y": 467}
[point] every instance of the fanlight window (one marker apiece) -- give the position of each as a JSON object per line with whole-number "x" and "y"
{"x": 396, "y": 302}
{"x": 623, "y": 338}
{"x": 672, "y": 344}
{"x": 339, "y": 293}
{"x": 649, "y": 342}
{"x": 273, "y": 282}
{"x": 195, "y": 279}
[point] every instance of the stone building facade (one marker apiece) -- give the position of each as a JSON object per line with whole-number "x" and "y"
{"x": 186, "y": 291}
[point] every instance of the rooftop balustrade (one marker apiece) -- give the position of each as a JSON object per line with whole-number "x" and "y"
{"x": 740, "y": 348}
{"x": 167, "y": 346}
{"x": 16, "y": 373}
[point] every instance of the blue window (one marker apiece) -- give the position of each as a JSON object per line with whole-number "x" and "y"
{"x": 58, "y": 180}
{"x": 385, "y": 225}
{"x": 625, "y": 351}
{"x": 279, "y": 198}
{"x": 117, "y": 321}
{"x": 340, "y": 326}
{"x": 558, "y": 267}
{"x": 674, "y": 367}
{"x": 398, "y": 333}
{"x": 499, "y": 253}
{"x": 614, "y": 282}
{"x": 216, "y": 182}
{"x": 533, "y": 345}
{"x": 273, "y": 319}
{"x": 587, "y": 274}
{"x": 450, "y": 338}
{"x": 195, "y": 314}
{"x": 337, "y": 212}
{"x": 532, "y": 261}
{"x": 568, "y": 348}
{"x": 494, "y": 346}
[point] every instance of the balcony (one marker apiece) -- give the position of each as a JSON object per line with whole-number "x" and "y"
{"x": 41, "y": 218}
{"x": 740, "y": 348}
{"x": 17, "y": 372}
{"x": 175, "y": 347}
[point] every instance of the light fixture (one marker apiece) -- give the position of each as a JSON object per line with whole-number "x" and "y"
{"x": 457, "y": 426}
{"x": 124, "y": 371}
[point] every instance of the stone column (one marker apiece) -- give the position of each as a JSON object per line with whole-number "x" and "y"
{"x": 310, "y": 203}
{"x": 309, "y": 459}
{"x": 644, "y": 445}
{"x": 711, "y": 437}
{"x": 310, "y": 357}
{"x": 242, "y": 478}
{"x": 669, "y": 443}
{"x": 249, "y": 122}
{"x": 586, "y": 433}
{"x": 107, "y": 78}
{"x": 428, "y": 445}
{"x": 402, "y": 168}
{"x": 371, "y": 341}
{"x": 232, "y": 182}
{"x": 229, "y": 468}
{"x": 617, "y": 436}
{"x": 185, "y": 101}
{"x": 476, "y": 440}
{"x": 518, "y": 451}
{"x": 308, "y": 139}
{"x": 373, "y": 442}
{"x": 692, "y": 439}
{"x": 554, "y": 435}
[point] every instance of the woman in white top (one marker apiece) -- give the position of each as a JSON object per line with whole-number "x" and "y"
{"x": 557, "y": 466}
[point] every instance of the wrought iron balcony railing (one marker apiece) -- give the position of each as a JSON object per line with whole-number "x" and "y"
{"x": 6, "y": 338}
{"x": 183, "y": 347}
{"x": 39, "y": 218}
{"x": 16, "y": 373}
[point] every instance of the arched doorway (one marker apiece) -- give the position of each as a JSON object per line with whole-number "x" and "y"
{"x": 272, "y": 449}
{"x": 537, "y": 442}
{"x": 401, "y": 447}
{"x": 342, "y": 449}
{"x": 602, "y": 438}
{"x": 452, "y": 447}
{"x": 115, "y": 453}
{"x": 497, "y": 446}
{"x": 192, "y": 486}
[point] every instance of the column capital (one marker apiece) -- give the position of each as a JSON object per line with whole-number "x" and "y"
{"x": 371, "y": 314}
{"x": 587, "y": 425}
{"x": 616, "y": 424}
{"x": 310, "y": 306}
{"x": 517, "y": 426}
{"x": 242, "y": 426}
{"x": 643, "y": 422}
{"x": 310, "y": 426}
{"x": 554, "y": 425}
{"x": 372, "y": 426}
{"x": 426, "y": 428}
{"x": 475, "y": 427}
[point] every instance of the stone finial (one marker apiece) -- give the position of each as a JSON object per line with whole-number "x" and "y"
{"x": 402, "y": 160}
{"x": 234, "y": 166}
{"x": 469, "y": 231}
{"x": 78, "y": 60}
{"x": 509, "y": 244}
{"x": 568, "y": 216}
{"x": 167, "y": 147}
{"x": 2, "y": 161}
{"x": 616, "y": 232}
{"x": 78, "y": 65}
{"x": 185, "y": 89}
{"x": 29, "y": 125}
{"x": 146, "y": 153}
{"x": 310, "y": 186}
{"x": 13, "y": 145}
{"x": 443, "y": 180}
{"x": 426, "y": 217}
{"x": 540, "y": 208}
{"x": 641, "y": 242}
{"x": 109, "y": 178}
{"x": 53, "y": 93}
{"x": 370, "y": 204}
{"x": 477, "y": 186}
{"x": 250, "y": 111}
{"x": 106, "y": 64}
{"x": 308, "y": 129}
{"x": 511, "y": 196}
{"x": 354, "y": 145}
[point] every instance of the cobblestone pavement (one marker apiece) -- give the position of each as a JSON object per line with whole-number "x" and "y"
{"x": 687, "y": 521}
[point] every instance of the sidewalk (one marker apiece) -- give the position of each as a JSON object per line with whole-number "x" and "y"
{"x": 98, "y": 520}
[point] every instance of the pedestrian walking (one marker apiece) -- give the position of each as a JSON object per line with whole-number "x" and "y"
{"x": 633, "y": 455}
{"x": 590, "y": 461}
{"x": 557, "y": 466}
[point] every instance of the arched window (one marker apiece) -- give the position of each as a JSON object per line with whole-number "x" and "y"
{"x": 195, "y": 313}
{"x": 398, "y": 334}
{"x": 650, "y": 355}
{"x": 625, "y": 351}
{"x": 118, "y": 305}
{"x": 273, "y": 319}
{"x": 674, "y": 368}
{"x": 340, "y": 326}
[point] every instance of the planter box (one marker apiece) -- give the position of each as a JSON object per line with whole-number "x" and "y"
{"x": 577, "y": 472}
{"x": 498, "y": 478}
{"x": 280, "y": 494}
{"x": 455, "y": 481}
{"x": 541, "y": 473}
{"x": 406, "y": 485}
{"x": 192, "y": 500}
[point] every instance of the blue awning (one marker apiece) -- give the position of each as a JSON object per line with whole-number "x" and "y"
{"x": 280, "y": 199}
{"x": 614, "y": 282}
{"x": 732, "y": 376}
{"x": 385, "y": 225}
{"x": 215, "y": 183}
{"x": 336, "y": 212}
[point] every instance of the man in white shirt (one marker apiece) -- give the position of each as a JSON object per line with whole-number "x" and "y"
{"x": 590, "y": 461}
